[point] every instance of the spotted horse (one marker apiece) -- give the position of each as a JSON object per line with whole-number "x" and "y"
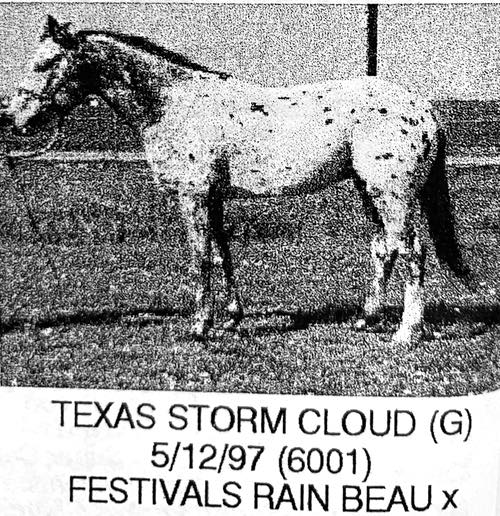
{"x": 210, "y": 137}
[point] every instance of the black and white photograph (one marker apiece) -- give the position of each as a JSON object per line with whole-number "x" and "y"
{"x": 244, "y": 198}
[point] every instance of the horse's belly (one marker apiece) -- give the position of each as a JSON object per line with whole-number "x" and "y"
{"x": 286, "y": 163}
{"x": 271, "y": 175}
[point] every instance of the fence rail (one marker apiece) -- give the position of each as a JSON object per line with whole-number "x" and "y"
{"x": 94, "y": 133}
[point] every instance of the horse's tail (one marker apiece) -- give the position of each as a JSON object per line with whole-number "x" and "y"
{"x": 436, "y": 204}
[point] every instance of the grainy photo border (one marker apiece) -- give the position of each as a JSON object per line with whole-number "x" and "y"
{"x": 102, "y": 254}
{"x": 197, "y": 311}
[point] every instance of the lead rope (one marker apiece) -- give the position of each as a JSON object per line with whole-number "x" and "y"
{"x": 11, "y": 159}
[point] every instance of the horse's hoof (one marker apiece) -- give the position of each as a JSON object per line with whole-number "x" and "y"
{"x": 369, "y": 323}
{"x": 235, "y": 312}
{"x": 405, "y": 335}
{"x": 231, "y": 324}
{"x": 199, "y": 330}
{"x": 235, "y": 309}
{"x": 198, "y": 337}
{"x": 372, "y": 310}
{"x": 360, "y": 325}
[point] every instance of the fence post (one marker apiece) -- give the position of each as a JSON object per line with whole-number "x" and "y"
{"x": 371, "y": 47}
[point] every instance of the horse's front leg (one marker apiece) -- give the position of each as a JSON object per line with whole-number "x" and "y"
{"x": 234, "y": 306}
{"x": 195, "y": 211}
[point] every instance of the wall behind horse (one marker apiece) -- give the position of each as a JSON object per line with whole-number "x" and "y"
{"x": 472, "y": 126}
{"x": 269, "y": 44}
{"x": 444, "y": 51}
{"x": 447, "y": 52}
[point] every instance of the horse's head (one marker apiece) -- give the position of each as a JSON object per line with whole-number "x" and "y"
{"x": 53, "y": 85}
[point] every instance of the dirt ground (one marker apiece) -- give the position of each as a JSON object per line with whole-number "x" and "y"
{"x": 106, "y": 302}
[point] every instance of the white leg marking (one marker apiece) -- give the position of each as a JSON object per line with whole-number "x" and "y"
{"x": 194, "y": 208}
{"x": 413, "y": 311}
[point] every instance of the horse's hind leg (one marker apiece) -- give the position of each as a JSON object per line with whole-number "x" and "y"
{"x": 414, "y": 254}
{"x": 403, "y": 226}
{"x": 399, "y": 226}
{"x": 384, "y": 251}
{"x": 216, "y": 214}
{"x": 194, "y": 208}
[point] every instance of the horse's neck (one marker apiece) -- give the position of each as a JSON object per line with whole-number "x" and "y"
{"x": 135, "y": 84}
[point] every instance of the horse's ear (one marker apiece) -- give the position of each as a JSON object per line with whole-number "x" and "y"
{"x": 60, "y": 33}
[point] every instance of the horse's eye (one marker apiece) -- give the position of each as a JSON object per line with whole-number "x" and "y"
{"x": 46, "y": 65}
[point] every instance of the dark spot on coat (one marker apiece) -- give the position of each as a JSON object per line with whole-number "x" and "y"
{"x": 254, "y": 170}
{"x": 387, "y": 155}
{"x": 413, "y": 122}
{"x": 357, "y": 121}
{"x": 304, "y": 92}
{"x": 328, "y": 121}
{"x": 372, "y": 109}
{"x": 412, "y": 102}
{"x": 413, "y": 146}
{"x": 427, "y": 143}
{"x": 394, "y": 176}
{"x": 404, "y": 119}
{"x": 288, "y": 168}
{"x": 422, "y": 119}
{"x": 231, "y": 116}
{"x": 206, "y": 95}
{"x": 258, "y": 107}
{"x": 404, "y": 131}
{"x": 383, "y": 111}
{"x": 353, "y": 111}
{"x": 270, "y": 130}
{"x": 284, "y": 98}
{"x": 320, "y": 97}
{"x": 326, "y": 109}
{"x": 191, "y": 156}
{"x": 294, "y": 103}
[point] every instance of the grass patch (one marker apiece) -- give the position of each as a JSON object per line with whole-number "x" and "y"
{"x": 113, "y": 309}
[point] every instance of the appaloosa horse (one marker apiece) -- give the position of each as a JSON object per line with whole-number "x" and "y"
{"x": 211, "y": 136}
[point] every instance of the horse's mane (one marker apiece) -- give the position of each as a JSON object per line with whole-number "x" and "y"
{"x": 148, "y": 46}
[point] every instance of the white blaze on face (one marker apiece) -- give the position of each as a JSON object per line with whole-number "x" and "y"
{"x": 47, "y": 65}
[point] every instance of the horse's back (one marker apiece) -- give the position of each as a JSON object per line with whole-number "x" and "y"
{"x": 275, "y": 140}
